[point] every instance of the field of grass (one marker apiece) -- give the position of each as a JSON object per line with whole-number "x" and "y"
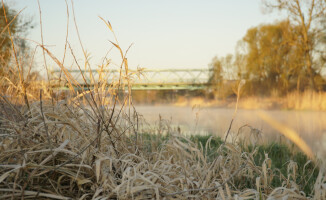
{"x": 59, "y": 152}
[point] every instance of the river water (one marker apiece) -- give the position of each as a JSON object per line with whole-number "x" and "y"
{"x": 310, "y": 125}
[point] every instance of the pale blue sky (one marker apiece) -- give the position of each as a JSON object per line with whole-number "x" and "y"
{"x": 165, "y": 33}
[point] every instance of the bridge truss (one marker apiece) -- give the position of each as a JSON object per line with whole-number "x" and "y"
{"x": 150, "y": 79}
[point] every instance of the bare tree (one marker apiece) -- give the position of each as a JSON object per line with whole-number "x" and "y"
{"x": 216, "y": 79}
{"x": 303, "y": 13}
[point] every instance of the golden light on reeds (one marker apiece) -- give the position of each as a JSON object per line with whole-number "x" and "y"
{"x": 288, "y": 133}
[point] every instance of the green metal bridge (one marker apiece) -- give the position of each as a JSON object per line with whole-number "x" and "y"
{"x": 151, "y": 79}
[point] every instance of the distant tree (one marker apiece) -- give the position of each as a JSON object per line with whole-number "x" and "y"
{"x": 223, "y": 69}
{"x": 216, "y": 78}
{"x": 240, "y": 61}
{"x": 17, "y": 27}
{"x": 304, "y": 14}
{"x": 321, "y": 46}
{"x": 273, "y": 59}
{"x": 229, "y": 71}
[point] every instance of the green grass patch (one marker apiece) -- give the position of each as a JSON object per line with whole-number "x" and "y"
{"x": 280, "y": 155}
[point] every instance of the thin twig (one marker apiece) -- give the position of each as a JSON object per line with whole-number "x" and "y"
{"x": 66, "y": 42}
{"x": 235, "y": 111}
{"x": 41, "y": 29}
{"x": 45, "y": 125}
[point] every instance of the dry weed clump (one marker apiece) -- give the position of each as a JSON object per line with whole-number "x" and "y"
{"x": 60, "y": 152}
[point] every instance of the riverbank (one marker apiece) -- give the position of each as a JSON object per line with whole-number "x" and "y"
{"x": 307, "y": 100}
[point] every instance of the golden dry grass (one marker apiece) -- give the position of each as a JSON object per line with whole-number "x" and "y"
{"x": 307, "y": 100}
{"x": 78, "y": 159}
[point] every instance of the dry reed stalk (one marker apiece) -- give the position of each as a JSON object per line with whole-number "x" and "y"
{"x": 42, "y": 41}
{"x": 236, "y": 108}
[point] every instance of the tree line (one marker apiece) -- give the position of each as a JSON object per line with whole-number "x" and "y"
{"x": 284, "y": 56}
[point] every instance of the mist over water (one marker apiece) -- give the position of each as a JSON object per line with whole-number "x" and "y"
{"x": 310, "y": 125}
